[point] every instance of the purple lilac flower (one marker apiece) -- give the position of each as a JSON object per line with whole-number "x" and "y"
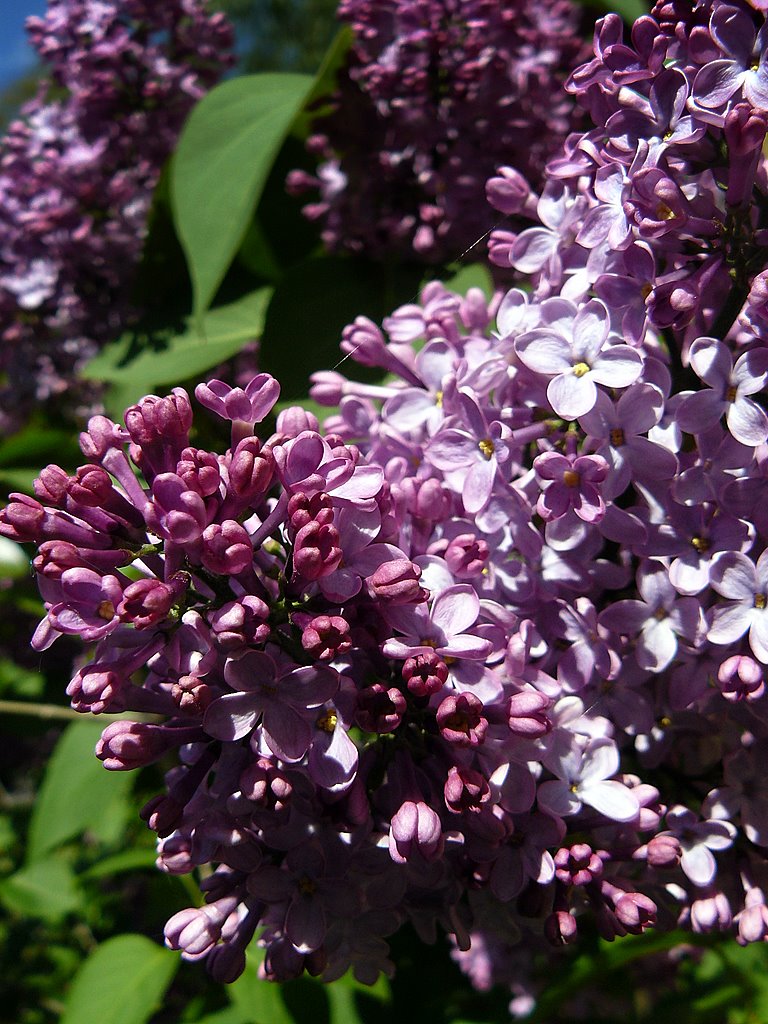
{"x": 434, "y": 97}
{"x": 77, "y": 171}
{"x": 368, "y": 670}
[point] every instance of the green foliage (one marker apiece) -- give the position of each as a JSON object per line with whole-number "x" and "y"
{"x": 221, "y": 165}
{"x": 46, "y": 889}
{"x": 138, "y": 363}
{"x": 77, "y": 794}
{"x": 122, "y": 982}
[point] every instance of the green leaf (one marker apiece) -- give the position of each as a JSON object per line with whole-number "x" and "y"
{"x": 127, "y": 860}
{"x": 34, "y": 444}
{"x": 259, "y": 1001}
{"x": 473, "y": 275}
{"x": 45, "y": 889}
{"x": 222, "y": 162}
{"x": 14, "y": 561}
{"x": 77, "y": 793}
{"x": 135, "y": 365}
{"x": 121, "y": 982}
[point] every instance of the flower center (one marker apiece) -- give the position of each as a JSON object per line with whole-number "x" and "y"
{"x": 486, "y": 447}
{"x": 701, "y": 544}
{"x": 760, "y": 601}
{"x": 730, "y": 394}
{"x": 617, "y": 437}
{"x": 439, "y": 399}
{"x": 327, "y": 721}
{"x": 580, "y": 369}
{"x": 306, "y": 886}
{"x": 663, "y": 212}
{"x": 571, "y": 478}
{"x": 106, "y": 610}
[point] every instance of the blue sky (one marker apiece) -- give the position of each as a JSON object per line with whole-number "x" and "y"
{"x": 16, "y": 55}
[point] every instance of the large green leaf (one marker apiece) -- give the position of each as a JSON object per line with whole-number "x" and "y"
{"x": 222, "y": 162}
{"x": 135, "y": 365}
{"x": 121, "y": 982}
{"x": 77, "y": 794}
{"x": 45, "y": 889}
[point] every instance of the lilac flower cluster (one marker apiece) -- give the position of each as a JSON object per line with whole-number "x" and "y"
{"x": 488, "y": 649}
{"x": 487, "y": 652}
{"x": 434, "y": 98}
{"x": 659, "y": 209}
{"x": 77, "y": 170}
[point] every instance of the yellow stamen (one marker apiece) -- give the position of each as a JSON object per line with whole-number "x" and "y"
{"x": 760, "y": 601}
{"x": 580, "y": 369}
{"x": 486, "y": 447}
{"x": 327, "y": 721}
{"x": 571, "y": 478}
{"x": 106, "y": 610}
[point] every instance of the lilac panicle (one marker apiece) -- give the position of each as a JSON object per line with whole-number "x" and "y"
{"x": 77, "y": 172}
{"x": 444, "y": 660}
{"x": 433, "y": 98}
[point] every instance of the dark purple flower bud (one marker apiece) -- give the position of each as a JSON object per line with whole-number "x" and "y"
{"x": 752, "y": 921}
{"x": 176, "y": 513}
{"x": 51, "y": 485}
{"x": 240, "y": 623}
{"x": 316, "y": 551}
{"x": 426, "y": 499}
{"x": 127, "y": 745}
{"x": 741, "y": 678}
{"x": 465, "y": 790}
{"x": 460, "y": 720}
{"x": 225, "y": 963}
{"x": 577, "y": 865}
{"x": 163, "y": 814}
{"x": 508, "y": 192}
{"x": 54, "y": 557}
{"x": 380, "y": 709}
{"x": 226, "y": 548}
{"x": 326, "y": 636}
{"x": 200, "y": 471}
{"x": 526, "y": 715}
{"x": 264, "y": 784}
{"x": 251, "y": 470}
{"x": 147, "y": 602}
{"x": 293, "y": 420}
{"x": 560, "y": 928}
{"x": 664, "y": 852}
{"x": 416, "y": 828}
{"x": 161, "y": 424}
{"x": 397, "y": 582}
{"x": 102, "y": 436}
{"x": 191, "y": 695}
{"x": 23, "y": 519}
{"x": 197, "y": 930}
{"x": 303, "y": 510}
{"x": 466, "y": 556}
{"x": 95, "y": 689}
{"x": 636, "y": 912}
{"x": 424, "y": 674}
{"x": 91, "y": 486}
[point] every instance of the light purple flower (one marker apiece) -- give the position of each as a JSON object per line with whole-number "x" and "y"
{"x": 584, "y": 777}
{"x": 745, "y": 585}
{"x": 572, "y": 351}
{"x": 281, "y": 700}
{"x": 730, "y": 387}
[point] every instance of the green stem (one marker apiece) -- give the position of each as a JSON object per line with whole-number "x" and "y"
{"x": 49, "y": 711}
